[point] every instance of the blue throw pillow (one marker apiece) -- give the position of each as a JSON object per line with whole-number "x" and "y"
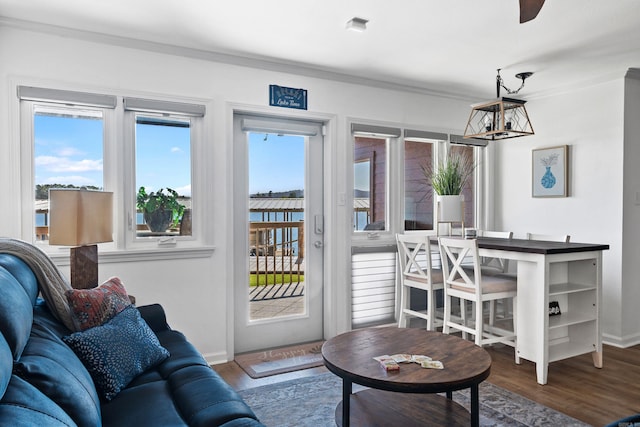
{"x": 118, "y": 351}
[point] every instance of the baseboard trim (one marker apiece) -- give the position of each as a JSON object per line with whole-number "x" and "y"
{"x": 216, "y": 358}
{"x": 621, "y": 342}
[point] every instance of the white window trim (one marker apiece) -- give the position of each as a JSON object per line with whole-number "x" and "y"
{"x": 481, "y": 176}
{"x": 440, "y": 147}
{"x": 27, "y": 164}
{"x": 118, "y": 173}
{"x": 129, "y": 235}
{"x": 392, "y": 135}
{"x": 396, "y": 134}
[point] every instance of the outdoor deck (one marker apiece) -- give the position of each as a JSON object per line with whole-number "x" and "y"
{"x": 287, "y": 269}
{"x": 276, "y": 259}
{"x": 283, "y": 306}
{"x": 281, "y": 290}
{"x": 278, "y": 264}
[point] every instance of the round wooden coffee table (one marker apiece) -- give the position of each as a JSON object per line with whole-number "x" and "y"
{"x": 401, "y": 395}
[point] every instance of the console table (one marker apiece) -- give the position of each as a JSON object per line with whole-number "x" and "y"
{"x": 405, "y": 397}
{"x": 569, "y": 273}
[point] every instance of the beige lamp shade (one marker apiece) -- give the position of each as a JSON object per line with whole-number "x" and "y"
{"x": 80, "y": 217}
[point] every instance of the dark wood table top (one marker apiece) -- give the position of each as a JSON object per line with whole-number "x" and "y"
{"x": 532, "y": 246}
{"x": 538, "y": 246}
{"x": 350, "y": 356}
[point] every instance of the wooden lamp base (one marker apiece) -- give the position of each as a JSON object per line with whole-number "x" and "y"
{"x": 84, "y": 267}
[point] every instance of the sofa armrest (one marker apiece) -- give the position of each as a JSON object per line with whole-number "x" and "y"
{"x": 155, "y": 317}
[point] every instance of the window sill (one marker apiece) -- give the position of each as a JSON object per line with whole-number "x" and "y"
{"x": 157, "y": 254}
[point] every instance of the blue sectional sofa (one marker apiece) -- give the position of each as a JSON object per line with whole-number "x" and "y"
{"x": 44, "y": 383}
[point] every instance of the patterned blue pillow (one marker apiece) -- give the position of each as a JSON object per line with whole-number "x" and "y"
{"x": 118, "y": 351}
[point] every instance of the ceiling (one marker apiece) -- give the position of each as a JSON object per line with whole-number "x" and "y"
{"x": 449, "y": 47}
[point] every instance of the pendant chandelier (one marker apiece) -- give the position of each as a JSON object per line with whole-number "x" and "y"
{"x": 500, "y": 118}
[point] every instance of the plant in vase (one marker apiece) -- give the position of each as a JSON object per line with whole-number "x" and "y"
{"x": 548, "y": 179}
{"x": 448, "y": 180}
{"x": 161, "y": 209}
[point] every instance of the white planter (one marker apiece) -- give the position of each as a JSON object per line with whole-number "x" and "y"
{"x": 450, "y": 208}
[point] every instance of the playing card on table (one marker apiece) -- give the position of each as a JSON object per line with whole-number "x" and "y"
{"x": 387, "y": 362}
{"x": 432, "y": 364}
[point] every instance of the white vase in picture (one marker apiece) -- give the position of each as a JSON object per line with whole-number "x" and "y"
{"x": 450, "y": 208}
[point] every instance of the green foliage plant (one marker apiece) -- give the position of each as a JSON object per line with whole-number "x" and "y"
{"x": 449, "y": 178}
{"x": 159, "y": 200}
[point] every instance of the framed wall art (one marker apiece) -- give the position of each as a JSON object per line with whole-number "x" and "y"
{"x": 550, "y": 172}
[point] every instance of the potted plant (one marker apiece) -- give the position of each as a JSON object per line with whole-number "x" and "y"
{"x": 448, "y": 181}
{"x": 161, "y": 209}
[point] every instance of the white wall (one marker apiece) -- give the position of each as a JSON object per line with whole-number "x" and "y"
{"x": 590, "y": 121}
{"x": 196, "y": 292}
{"x": 629, "y": 293}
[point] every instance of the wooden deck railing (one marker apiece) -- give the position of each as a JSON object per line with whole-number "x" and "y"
{"x": 275, "y": 250}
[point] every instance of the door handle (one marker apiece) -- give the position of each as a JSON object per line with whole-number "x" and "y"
{"x": 317, "y": 243}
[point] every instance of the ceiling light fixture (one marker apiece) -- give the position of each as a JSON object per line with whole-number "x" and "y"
{"x": 357, "y": 24}
{"x": 500, "y": 118}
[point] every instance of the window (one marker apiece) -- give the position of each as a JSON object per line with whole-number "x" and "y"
{"x": 421, "y": 150}
{"x": 418, "y": 194}
{"x": 71, "y": 140}
{"x": 62, "y": 146}
{"x": 469, "y": 190}
{"x": 370, "y": 180}
{"x": 163, "y": 168}
{"x": 164, "y": 135}
{"x": 362, "y": 183}
{"x": 68, "y": 153}
{"x": 390, "y": 189}
{"x": 370, "y": 166}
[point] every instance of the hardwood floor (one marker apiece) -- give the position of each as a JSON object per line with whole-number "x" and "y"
{"x": 575, "y": 387}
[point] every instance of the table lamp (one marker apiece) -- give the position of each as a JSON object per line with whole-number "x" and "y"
{"x": 80, "y": 219}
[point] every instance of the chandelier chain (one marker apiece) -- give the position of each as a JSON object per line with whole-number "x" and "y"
{"x": 500, "y": 83}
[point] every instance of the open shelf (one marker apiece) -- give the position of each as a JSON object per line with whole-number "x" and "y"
{"x": 568, "y": 288}
{"x": 571, "y": 318}
{"x": 575, "y": 285}
{"x": 569, "y": 349}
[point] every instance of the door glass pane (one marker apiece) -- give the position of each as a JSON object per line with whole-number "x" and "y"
{"x": 163, "y": 176}
{"x": 369, "y": 192}
{"x": 418, "y": 193}
{"x": 68, "y": 153}
{"x": 468, "y": 191}
{"x": 276, "y": 225}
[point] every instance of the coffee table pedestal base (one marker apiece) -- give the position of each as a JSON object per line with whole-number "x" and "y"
{"x": 374, "y": 408}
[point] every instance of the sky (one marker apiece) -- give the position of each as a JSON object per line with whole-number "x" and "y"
{"x": 275, "y": 164}
{"x": 69, "y": 151}
{"x": 163, "y": 157}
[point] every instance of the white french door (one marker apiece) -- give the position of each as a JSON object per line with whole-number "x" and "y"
{"x": 278, "y": 232}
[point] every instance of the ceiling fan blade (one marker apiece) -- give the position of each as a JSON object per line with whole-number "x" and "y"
{"x": 529, "y": 9}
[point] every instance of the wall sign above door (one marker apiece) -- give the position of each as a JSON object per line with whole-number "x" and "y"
{"x": 287, "y": 97}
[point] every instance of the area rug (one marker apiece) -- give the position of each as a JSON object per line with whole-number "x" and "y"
{"x": 311, "y": 401}
{"x": 278, "y": 361}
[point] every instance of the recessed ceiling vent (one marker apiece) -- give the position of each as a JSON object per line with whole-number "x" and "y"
{"x": 357, "y": 24}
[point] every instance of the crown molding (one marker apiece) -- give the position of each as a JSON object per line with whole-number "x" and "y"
{"x": 576, "y": 86}
{"x": 292, "y": 67}
{"x": 263, "y": 63}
